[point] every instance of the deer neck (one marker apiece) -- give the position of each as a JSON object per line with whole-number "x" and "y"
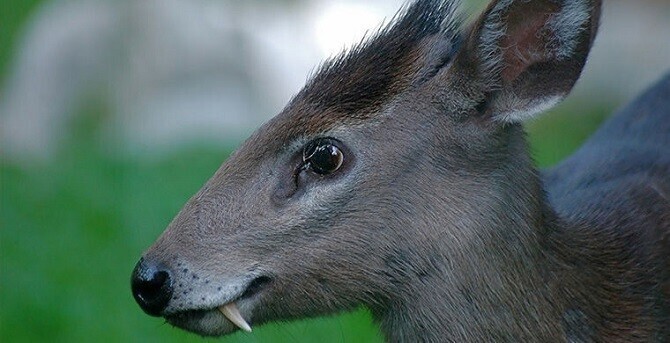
{"x": 491, "y": 288}
{"x": 495, "y": 299}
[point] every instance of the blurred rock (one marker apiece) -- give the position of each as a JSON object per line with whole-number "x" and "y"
{"x": 632, "y": 50}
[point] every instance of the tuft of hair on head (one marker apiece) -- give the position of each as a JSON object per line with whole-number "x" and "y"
{"x": 419, "y": 39}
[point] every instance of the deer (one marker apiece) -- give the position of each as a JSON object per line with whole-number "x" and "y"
{"x": 399, "y": 179}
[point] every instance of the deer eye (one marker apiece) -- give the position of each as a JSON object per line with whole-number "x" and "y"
{"x": 322, "y": 156}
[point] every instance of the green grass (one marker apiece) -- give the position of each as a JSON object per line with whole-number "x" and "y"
{"x": 72, "y": 232}
{"x": 13, "y": 14}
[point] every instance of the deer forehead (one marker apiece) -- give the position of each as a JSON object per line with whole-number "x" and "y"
{"x": 357, "y": 85}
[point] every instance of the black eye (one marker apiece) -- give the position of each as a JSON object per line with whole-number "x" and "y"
{"x": 322, "y": 157}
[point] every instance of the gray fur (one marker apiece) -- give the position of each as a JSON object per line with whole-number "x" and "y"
{"x": 438, "y": 220}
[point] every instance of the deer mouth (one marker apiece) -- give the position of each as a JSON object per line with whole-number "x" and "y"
{"x": 222, "y": 319}
{"x": 232, "y": 313}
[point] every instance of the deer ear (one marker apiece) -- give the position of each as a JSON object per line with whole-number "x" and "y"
{"x": 527, "y": 54}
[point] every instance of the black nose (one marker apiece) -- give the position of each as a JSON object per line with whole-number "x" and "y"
{"x": 152, "y": 287}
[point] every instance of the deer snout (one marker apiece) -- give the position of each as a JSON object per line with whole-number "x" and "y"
{"x": 151, "y": 285}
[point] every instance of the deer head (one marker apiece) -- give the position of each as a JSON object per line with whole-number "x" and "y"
{"x": 397, "y": 179}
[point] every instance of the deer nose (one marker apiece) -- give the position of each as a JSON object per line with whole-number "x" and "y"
{"x": 151, "y": 285}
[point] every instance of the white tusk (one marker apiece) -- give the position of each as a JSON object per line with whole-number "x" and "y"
{"x": 233, "y": 314}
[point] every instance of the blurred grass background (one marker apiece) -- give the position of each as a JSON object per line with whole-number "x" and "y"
{"x": 72, "y": 229}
